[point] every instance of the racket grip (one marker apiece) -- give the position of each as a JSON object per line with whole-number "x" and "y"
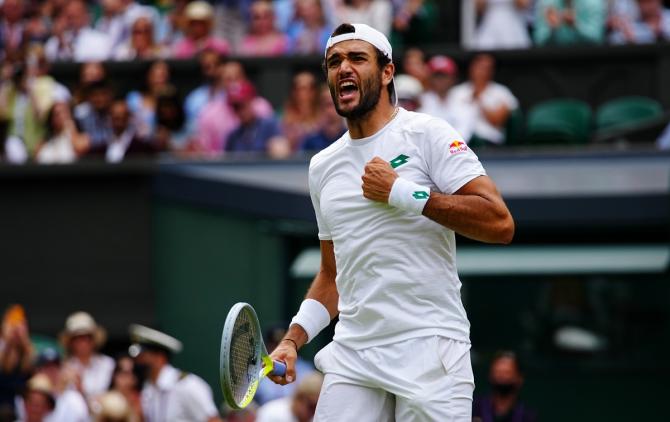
{"x": 278, "y": 368}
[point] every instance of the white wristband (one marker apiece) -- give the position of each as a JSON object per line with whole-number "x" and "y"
{"x": 312, "y": 317}
{"x": 408, "y": 196}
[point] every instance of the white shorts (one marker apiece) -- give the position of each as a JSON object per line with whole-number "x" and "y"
{"x": 421, "y": 379}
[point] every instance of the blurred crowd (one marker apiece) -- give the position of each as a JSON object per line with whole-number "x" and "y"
{"x": 70, "y": 379}
{"x": 44, "y": 121}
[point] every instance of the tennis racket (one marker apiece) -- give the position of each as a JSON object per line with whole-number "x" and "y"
{"x": 244, "y": 360}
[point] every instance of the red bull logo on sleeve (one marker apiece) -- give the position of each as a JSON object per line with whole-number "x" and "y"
{"x": 457, "y": 146}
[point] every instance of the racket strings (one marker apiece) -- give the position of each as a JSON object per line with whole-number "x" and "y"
{"x": 244, "y": 368}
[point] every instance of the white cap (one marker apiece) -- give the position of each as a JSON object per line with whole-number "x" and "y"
{"x": 368, "y": 34}
{"x": 408, "y": 87}
{"x": 144, "y": 337}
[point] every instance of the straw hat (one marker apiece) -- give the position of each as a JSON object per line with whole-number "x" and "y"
{"x": 199, "y": 11}
{"x": 82, "y": 323}
{"x": 111, "y": 405}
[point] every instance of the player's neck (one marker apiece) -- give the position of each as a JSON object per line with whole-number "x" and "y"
{"x": 372, "y": 122}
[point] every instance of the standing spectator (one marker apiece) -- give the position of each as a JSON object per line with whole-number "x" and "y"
{"x": 141, "y": 44}
{"x": 82, "y": 338}
{"x": 299, "y": 407}
{"x": 16, "y": 355}
{"x": 127, "y": 381}
{"x": 503, "y": 404}
{"x": 263, "y": 38}
{"x": 414, "y": 64}
{"x": 92, "y": 116}
{"x": 503, "y": 24}
{"x": 563, "y": 22}
{"x": 73, "y": 37}
{"x": 481, "y": 103}
{"x": 302, "y": 110}
{"x": 408, "y": 89}
{"x": 210, "y": 61}
{"x": 168, "y": 393}
{"x": 142, "y": 104}
{"x": 331, "y": 125}
{"x": 309, "y": 32}
{"x": 199, "y": 20}
{"x": 376, "y": 13}
{"x": 443, "y": 76}
{"x": 12, "y": 26}
{"x": 652, "y": 25}
{"x": 64, "y": 141}
{"x": 38, "y": 399}
{"x": 45, "y": 90}
{"x": 254, "y": 133}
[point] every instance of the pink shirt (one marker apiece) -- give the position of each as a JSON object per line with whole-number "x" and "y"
{"x": 268, "y": 45}
{"x": 186, "y": 48}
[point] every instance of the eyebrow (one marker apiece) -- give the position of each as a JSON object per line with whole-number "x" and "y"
{"x": 348, "y": 54}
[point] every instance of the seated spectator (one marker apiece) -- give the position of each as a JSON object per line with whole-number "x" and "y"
{"x": 45, "y": 90}
{"x": 113, "y": 22}
{"x": 376, "y": 13}
{"x": 443, "y": 76}
{"x": 561, "y": 22}
{"x": 309, "y": 32}
{"x": 414, "y": 22}
{"x": 39, "y": 400}
{"x": 414, "y": 64}
{"x": 503, "y": 404}
{"x": 331, "y": 125}
{"x": 16, "y": 357}
{"x": 89, "y": 72}
{"x": 112, "y": 406}
{"x": 300, "y": 407}
{"x": 263, "y": 38}
{"x": 302, "y": 110}
{"x": 652, "y": 25}
{"x": 74, "y": 39}
{"x": 141, "y": 45}
{"x": 12, "y": 28}
{"x": 64, "y": 142}
{"x": 254, "y": 133}
{"x": 481, "y": 103}
{"x": 142, "y": 104}
{"x": 127, "y": 380}
{"x": 199, "y": 17}
{"x": 408, "y": 89}
{"x": 170, "y": 123}
{"x": 125, "y": 142}
{"x": 92, "y": 116}
{"x": 217, "y": 119}
{"x": 90, "y": 370}
{"x": 502, "y": 25}
{"x": 209, "y": 90}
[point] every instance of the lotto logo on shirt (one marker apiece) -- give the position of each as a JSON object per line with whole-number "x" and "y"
{"x": 457, "y": 146}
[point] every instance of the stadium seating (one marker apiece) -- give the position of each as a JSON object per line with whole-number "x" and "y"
{"x": 626, "y": 111}
{"x": 561, "y": 121}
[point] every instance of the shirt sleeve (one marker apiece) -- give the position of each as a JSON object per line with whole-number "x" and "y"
{"x": 451, "y": 163}
{"x": 199, "y": 400}
{"x": 314, "y": 193}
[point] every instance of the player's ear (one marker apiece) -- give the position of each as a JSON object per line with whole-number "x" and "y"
{"x": 387, "y": 74}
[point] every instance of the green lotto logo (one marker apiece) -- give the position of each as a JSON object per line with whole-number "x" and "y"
{"x": 399, "y": 160}
{"x": 420, "y": 195}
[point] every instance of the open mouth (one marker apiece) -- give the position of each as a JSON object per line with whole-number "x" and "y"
{"x": 347, "y": 89}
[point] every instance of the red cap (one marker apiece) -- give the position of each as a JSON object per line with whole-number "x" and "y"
{"x": 443, "y": 64}
{"x": 241, "y": 92}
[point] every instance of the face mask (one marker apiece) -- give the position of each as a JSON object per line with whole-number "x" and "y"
{"x": 504, "y": 389}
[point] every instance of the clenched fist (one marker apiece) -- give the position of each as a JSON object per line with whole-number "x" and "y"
{"x": 378, "y": 180}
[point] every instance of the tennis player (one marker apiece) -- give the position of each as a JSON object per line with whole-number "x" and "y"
{"x": 389, "y": 196}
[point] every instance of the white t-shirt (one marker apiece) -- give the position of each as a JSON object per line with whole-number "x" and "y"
{"x": 464, "y": 107}
{"x": 96, "y": 377}
{"x": 278, "y": 410}
{"x": 433, "y": 105}
{"x": 396, "y": 272}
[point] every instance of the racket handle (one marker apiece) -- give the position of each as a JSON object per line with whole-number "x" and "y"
{"x": 278, "y": 368}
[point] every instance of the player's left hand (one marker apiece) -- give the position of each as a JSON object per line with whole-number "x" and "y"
{"x": 378, "y": 180}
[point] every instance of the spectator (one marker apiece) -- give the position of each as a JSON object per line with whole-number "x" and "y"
{"x": 74, "y": 39}
{"x": 254, "y": 133}
{"x": 300, "y": 407}
{"x": 302, "y": 111}
{"x": 64, "y": 141}
{"x": 142, "y": 105}
{"x": 331, "y": 124}
{"x": 112, "y": 406}
{"x": 12, "y": 27}
{"x": 92, "y": 116}
{"x": 199, "y": 20}
{"x": 16, "y": 355}
{"x": 652, "y": 25}
{"x": 38, "y": 399}
{"x": 89, "y": 72}
{"x": 414, "y": 64}
{"x": 113, "y": 22}
{"x": 563, "y": 22}
{"x": 376, "y": 13}
{"x": 127, "y": 381}
{"x": 408, "y": 89}
{"x": 125, "y": 142}
{"x": 309, "y": 32}
{"x": 210, "y": 61}
{"x": 443, "y": 76}
{"x": 91, "y": 370}
{"x": 263, "y": 38}
{"x": 218, "y": 119}
{"x": 168, "y": 391}
{"x": 482, "y": 104}
{"x": 503, "y": 404}
{"x": 45, "y": 90}
{"x": 170, "y": 120}
{"x": 141, "y": 44}
{"x": 502, "y": 25}
{"x": 414, "y": 22}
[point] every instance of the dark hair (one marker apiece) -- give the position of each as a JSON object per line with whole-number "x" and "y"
{"x": 507, "y": 354}
{"x": 382, "y": 60}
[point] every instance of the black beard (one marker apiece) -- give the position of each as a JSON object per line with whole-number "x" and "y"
{"x": 371, "y": 92}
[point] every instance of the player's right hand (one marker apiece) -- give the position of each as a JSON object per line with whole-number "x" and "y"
{"x": 285, "y": 352}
